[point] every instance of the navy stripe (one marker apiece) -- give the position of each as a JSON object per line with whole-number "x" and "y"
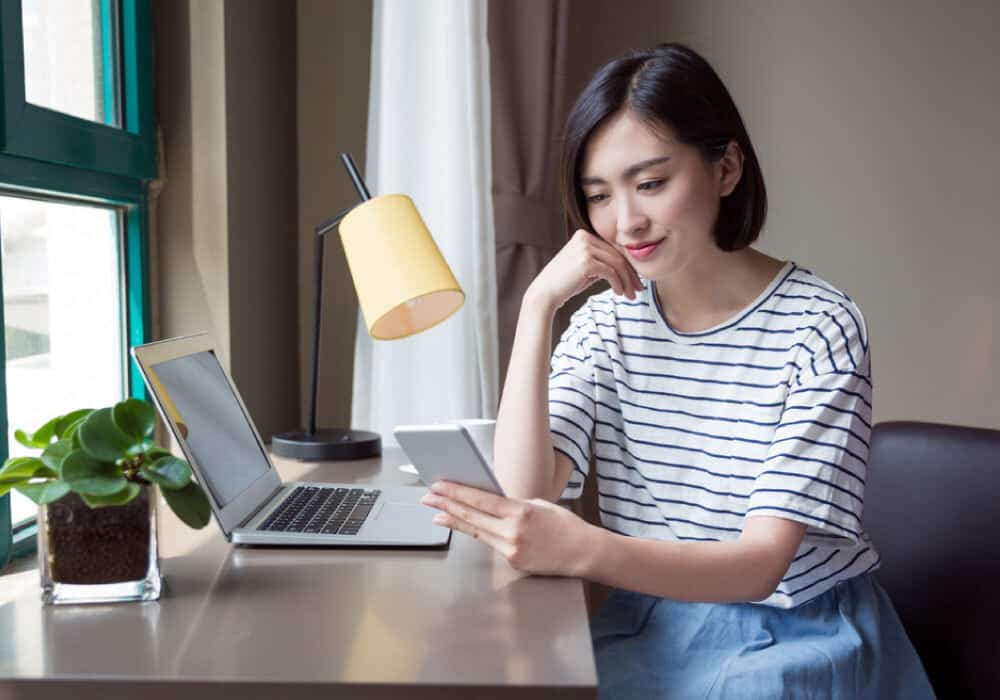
{"x": 733, "y": 346}
{"x": 571, "y": 458}
{"x": 611, "y": 460}
{"x": 625, "y": 534}
{"x": 758, "y": 329}
{"x": 850, "y": 315}
{"x": 832, "y": 485}
{"x": 560, "y": 387}
{"x": 835, "y": 573}
{"x": 819, "y": 443}
{"x": 681, "y": 377}
{"x": 860, "y": 439}
{"x": 670, "y": 500}
{"x": 841, "y": 390}
{"x": 712, "y": 363}
{"x": 812, "y": 568}
{"x": 622, "y": 318}
{"x": 843, "y": 334}
{"x": 804, "y": 554}
{"x": 752, "y": 460}
{"x": 667, "y": 521}
{"x": 664, "y": 426}
{"x": 829, "y": 290}
{"x": 688, "y": 467}
{"x": 586, "y": 433}
{"x": 832, "y": 408}
{"x": 688, "y": 413}
{"x": 563, "y": 435}
{"x": 829, "y": 523}
{"x": 817, "y": 460}
{"x": 686, "y": 396}
{"x": 573, "y": 406}
{"x": 799, "y": 494}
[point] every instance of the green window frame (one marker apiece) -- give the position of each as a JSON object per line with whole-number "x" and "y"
{"x": 52, "y": 155}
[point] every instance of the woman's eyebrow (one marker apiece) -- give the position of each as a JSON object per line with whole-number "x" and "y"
{"x": 630, "y": 172}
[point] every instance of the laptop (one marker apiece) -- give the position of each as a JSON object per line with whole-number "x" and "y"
{"x": 200, "y": 403}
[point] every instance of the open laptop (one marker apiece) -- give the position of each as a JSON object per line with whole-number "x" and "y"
{"x": 200, "y": 403}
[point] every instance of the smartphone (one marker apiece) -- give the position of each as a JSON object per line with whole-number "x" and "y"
{"x": 447, "y": 452}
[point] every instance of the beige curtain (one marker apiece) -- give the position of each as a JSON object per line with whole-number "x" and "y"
{"x": 527, "y": 40}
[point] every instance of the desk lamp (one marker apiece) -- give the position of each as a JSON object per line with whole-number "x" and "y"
{"x": 404, "y": 286}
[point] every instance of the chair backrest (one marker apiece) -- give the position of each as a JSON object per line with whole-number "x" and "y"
{"x": 931, "y": 505}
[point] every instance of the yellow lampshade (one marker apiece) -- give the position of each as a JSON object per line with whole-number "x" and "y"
{"x": 404, "y": 284}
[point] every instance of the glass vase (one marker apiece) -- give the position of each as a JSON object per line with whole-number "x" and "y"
{"x": 99, "y": 555}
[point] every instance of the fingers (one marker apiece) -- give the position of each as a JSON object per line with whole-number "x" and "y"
{"x": 622, "y": 276}
{"x": 611, "y": 266}
{"x": 499, "y": 544}
{"x": 461, "y": 511}
{"x": 481, "y": 500}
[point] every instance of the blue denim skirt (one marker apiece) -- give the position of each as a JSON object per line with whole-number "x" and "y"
{"x": 846, "y": 644}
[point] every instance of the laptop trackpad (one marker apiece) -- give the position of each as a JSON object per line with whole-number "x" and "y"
{"x": 399, "y": 512}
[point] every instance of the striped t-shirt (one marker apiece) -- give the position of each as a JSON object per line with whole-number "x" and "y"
{"x": 767, "y": 414}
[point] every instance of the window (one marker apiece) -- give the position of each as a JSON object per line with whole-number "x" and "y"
{"x": 76, "y": 153}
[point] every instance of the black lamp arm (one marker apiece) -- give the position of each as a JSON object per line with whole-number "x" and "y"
{"x": 321, "y": 230}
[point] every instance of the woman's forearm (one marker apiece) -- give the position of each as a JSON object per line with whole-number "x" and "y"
{"x": 742, "y": 570}
{"x": 523, "y": 456}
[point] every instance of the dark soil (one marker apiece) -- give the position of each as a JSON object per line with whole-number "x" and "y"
{"x": 99, "y": 545}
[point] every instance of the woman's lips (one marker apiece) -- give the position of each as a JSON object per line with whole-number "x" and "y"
{"x": 643, "y": 251}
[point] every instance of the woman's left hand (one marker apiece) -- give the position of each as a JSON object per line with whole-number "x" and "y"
{"x": 535, "y": 536}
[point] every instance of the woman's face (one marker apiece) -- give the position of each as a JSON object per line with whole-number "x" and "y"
{"x": 653, "y": 198}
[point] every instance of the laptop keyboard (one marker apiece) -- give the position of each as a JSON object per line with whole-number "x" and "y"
{"x": 320, "y": 510}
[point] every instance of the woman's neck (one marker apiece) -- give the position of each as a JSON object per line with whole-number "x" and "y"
{"x": 713, "y": 288}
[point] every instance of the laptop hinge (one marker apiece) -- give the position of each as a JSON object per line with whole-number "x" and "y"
{"x": 259, "y": 508}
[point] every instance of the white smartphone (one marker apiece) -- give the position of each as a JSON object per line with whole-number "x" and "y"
{"x": 447, "y": 453}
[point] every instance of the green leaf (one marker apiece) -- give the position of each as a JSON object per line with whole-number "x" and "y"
{"x": 45, "y": 491}
{"x": 190, "y": 505}
{"x": 40, "y": 438}
{"x": 73, "y": 428}
{"x": 21, "y": 467}
{"x": 55, "y": 453}
{"x": 11, "y": 482}
{"x": 169, "y": 472}
{"x": 134, "y": 418}
{"x": 102, "y": 439}
{"x": 86, "y": 475}
{"x": 63, "y": 424}
{"x": 130, "y": 491}
{"x": 154, "y": 453}
{"x": 22, "y": 437}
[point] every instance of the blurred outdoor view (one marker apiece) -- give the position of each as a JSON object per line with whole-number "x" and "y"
{"x": 63, "y": 314}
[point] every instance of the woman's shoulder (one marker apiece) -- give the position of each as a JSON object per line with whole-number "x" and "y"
{"x": 806, "y": 292}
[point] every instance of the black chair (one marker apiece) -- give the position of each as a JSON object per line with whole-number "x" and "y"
{"x": 931, "y": 500}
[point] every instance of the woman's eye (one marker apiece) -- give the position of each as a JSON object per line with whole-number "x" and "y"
{"x": 651, "y": 184}
{"x": 595, "y": 198}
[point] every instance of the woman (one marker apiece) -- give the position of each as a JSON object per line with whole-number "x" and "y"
{"x": 723, "y": 397}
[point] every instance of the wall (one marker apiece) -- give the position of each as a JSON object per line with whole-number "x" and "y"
{"x": 876, "y": 127}
{"x": 225, "y": 250}
{"x": 334, "y": 48}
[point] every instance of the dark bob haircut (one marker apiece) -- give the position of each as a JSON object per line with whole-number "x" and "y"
{"x": 671, "y": 86}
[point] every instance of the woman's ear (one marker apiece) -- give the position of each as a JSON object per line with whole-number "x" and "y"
{"x": 730, "y": 169}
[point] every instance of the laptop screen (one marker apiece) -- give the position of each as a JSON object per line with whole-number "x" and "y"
{"x": 218, "y": 433}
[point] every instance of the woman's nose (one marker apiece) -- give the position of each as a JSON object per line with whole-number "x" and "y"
{"x": 631, "y": 219}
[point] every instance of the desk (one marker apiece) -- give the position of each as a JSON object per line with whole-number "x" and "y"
{"x": 255, "y": 623}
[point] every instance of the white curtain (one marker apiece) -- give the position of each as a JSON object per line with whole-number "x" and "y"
{"x": 429, "y": 138}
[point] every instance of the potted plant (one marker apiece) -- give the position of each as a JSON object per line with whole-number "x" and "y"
{"x": 94, "y": 482}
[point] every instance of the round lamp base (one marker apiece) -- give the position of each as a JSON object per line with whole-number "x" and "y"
{"x": 329, "y": 444}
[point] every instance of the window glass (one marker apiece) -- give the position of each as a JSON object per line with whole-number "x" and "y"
{"x": 70, "y": 57}
{"x": 63, "y": 314}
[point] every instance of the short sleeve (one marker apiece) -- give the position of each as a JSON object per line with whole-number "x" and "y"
{"x": 572, "y": 397}
{"x": 816, "y": 465}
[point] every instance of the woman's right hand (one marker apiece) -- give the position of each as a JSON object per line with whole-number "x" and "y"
{"x": 584, "y": 260}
